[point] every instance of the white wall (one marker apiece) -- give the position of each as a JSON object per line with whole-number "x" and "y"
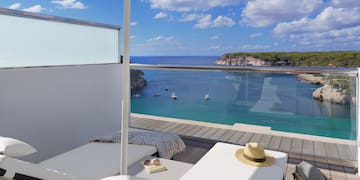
{"x": 56, "y": 109}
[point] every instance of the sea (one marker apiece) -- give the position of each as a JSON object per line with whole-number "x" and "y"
{"x": 275, "y": 100}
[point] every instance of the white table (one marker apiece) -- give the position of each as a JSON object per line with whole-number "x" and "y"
{"x": 175, "y": 170}
{"x": 220, "y": 163}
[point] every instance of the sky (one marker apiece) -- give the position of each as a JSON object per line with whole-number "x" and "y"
{"x": 215, "y": 27}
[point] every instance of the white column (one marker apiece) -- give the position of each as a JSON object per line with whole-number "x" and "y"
{"x": 358, "y": 118}
{"x": 125, "y": 90}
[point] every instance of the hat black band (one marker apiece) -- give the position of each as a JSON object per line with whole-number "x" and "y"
{"x": 254, "y": 159}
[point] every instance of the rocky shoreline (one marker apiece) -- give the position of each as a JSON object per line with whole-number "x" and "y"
{"x": 241, "y": 61}
{"x": 330, "y": 91}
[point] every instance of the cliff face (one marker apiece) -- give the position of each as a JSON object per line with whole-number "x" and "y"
{"x": 137, "y": 81}
{"x": 332, "y": 92}
{"x": 241, "y": 61}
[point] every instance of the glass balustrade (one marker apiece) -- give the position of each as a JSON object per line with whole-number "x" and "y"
{"x": 322, "y": 104}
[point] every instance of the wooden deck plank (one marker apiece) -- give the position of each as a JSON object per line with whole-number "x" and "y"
{"x": 296, "y": 146}
{"x": 331, "y": 150}
{"x": 236, "y": 137}
{"x": 245, "y": 138}
{"x": 227, "y": 135}
{"x": 255, "y": 138}
{"x": 201, "y": 132}
{"x": 146, "y": 123}
{"x": 209, "y": 133}
{"x": 218, "y": 134}
{"x": 345, "y": 152}
{"x": 265, "y": 140}
{"x": 187, "y": 128}
{"x": 167, "y": 129}
{"x": 194, "y": 130}
{"x": 308, "y": 147}
{"x": 155, "y": 124}
{"x": 162, "y": 126}
{"x": 178, "y": 128}
{"x": 275, "y": 142}
{"x": 285, "y": 144}
{"x": 319, "y": 149}
{"x": 139, "y": 122}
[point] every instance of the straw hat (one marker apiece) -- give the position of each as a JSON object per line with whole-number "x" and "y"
{"x": 253, "y": 154}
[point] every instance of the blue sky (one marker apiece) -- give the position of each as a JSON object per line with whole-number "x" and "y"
{"x": 214, "y": 27}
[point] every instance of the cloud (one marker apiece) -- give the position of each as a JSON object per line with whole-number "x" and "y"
{"x": 345, "y": 3}
{"x": 189, "y": 17}
{"x": 35, "y": 9}
{"x": 215, "y": 37}
{"x": 132, "y": 37}
{"x": 254, "y": 35}
{"x": 134, "y": 23}
{"x": 191, "y": 5}
{"x": 260, "y": 13}
{"x": 70, "y": 4}
{"x": 330, "y": 18}
{"x": 338, "y": 27}
{"x": 161, "y": 38}
{"x": 160, "y": 15}
{"x": 205, "y": 21}
{"x": 15, "y": 6}
{"x": 245, "y": 47}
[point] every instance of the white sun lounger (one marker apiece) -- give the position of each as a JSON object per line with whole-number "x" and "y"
{"x": 96, "y": 160}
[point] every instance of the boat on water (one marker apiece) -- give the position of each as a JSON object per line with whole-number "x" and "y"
{"x": 173, "y": 96}
{"x": 207, "y": 97}
{"x": 157, "y": 94}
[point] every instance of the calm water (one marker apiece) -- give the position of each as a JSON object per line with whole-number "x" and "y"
{"x": 267, "y": 99}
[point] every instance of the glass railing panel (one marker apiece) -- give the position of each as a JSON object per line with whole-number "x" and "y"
{"x": 29, "y": 39}
{"x": 314, "y": 104}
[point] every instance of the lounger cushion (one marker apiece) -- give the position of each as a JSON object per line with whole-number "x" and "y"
{"x": 16, "y": 168}
{"x": 308, "y": 172}
{"x": 96, "y": 160}
{"x": 15, "y": 148}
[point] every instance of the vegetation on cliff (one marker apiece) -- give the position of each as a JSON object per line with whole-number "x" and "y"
{"x": 322, "y": 59}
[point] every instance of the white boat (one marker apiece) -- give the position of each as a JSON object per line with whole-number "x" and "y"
{"x": 173, "y": 96}
{"x": 206, "y": 97}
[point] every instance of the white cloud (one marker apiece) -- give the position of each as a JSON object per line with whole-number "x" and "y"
{"x": 205, "y": 21}
{"x": 132, "y": 37}
{"x": 338, "y": 27}
{"x": 345, "y": 3}
{"x": 254, "y": 35}
{"x": 189, "y": 5}
{"x": 15, "y": 6}
{"x": 35, "y": 9}
{"x": 160, "y": 15}
{"x": 71, "y": 4}
{"x": 189, "y": 17}
{"x": 215, "y": 37}
{"x": 260, "y": 13}
{"x": 329, "y": 19}
{"x": 134, "y": 23}
{"x": 245, "y": 47}
{"x": 161, "y": 38}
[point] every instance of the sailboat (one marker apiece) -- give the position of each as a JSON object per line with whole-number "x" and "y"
{"x": 207, "y": 97}
{"x": 173, "y": 96}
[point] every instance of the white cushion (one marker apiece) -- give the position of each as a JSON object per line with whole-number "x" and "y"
{"x": 15, "y": 148}
{"x": 13, "y": 166}
{"x": 94, "y": 161}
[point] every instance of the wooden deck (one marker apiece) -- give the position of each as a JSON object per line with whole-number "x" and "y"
{"x": 332, "y": 157}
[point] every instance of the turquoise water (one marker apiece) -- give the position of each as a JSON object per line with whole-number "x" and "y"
{"x": 276, "y": 100}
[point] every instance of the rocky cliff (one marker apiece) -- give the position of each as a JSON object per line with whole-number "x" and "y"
{"x": 241, "y": 61}
{"x": 333, "y": 90}
{"x": 137, "y": 81}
